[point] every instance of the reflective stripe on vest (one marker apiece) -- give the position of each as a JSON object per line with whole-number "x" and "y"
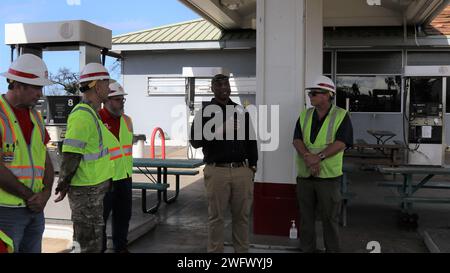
{"x": 27, "y": 172}
{"x": 121, "y": 150}
{"x": 75, "y": 143}
{"x": 332, "y": 166}
{"x": 103, "y": 151}
{"x": 126, "y": 140}
{"x": 115, "y": 153}
{"x": 8, "y": 132}
{"x": 95, "y": 166}
{"x": 26, "y": 162}
{"x": 41, "y": 125}
{"x": 128, "y": 150}
{"x": 8, "y": 241}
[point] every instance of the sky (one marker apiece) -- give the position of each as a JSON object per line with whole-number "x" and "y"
{"x": 119, "y": 16}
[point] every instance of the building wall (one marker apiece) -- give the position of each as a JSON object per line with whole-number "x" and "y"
{"x": 170, "y": 112}
{"x": 138, "y": 66}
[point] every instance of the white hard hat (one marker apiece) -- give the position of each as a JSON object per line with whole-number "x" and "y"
{"x": 29, "y": 69}
{"x": 324, "y": 83}
{"x": 116, "y": 90}
{"x": 94, "y": 72}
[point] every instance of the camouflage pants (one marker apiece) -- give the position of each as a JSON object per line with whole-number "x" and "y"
{"x": 86, "y": 204}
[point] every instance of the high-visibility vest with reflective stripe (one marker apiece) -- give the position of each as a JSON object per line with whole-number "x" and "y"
{"x": 26, "y": 162}
{"x": 330, "y": 167}
{"x": 121, "y": 152}
{"x": 95, "y": 166}
{"x": 8, "y": 242}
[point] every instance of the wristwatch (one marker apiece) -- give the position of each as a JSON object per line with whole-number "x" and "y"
{"x": 321, "y": 156}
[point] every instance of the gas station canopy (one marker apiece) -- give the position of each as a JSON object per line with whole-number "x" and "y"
{"x": 48, "y": 35}
{"x": 241, "y": 14}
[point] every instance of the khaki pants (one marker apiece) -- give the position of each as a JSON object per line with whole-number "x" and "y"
{"x": 323, "y": 196}
{"x": 86, "y": 204}
{"x": 225, "y": 186}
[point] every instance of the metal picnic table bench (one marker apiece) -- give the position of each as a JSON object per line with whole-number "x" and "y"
{"x": 389, "y": 151}
{"x": 408, "y": 188}
{"x": 160, "y": 167}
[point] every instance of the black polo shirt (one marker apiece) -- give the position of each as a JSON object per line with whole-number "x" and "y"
{"x": 226, "y": 151}
{"x": 343, "y": 134}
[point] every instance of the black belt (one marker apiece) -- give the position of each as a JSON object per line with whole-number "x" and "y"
{"x": 228, "y": 165}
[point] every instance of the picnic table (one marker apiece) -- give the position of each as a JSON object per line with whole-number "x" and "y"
{"x": 381, "y": 136}
{"x": 408, "y": 188}
{"x": 162, "y": 168}
{"x": 389, "y": 151}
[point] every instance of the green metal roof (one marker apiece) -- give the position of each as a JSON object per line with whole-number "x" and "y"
{"x": 192, "y": 31}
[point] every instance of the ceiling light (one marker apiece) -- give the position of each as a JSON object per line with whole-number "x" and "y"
{"x": 231, "y": 4}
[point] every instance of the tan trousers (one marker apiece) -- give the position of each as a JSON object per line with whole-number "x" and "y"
{"x": 225, "y": 186}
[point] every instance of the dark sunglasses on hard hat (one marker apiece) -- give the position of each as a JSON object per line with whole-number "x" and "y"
{"x": 313, "y": 93}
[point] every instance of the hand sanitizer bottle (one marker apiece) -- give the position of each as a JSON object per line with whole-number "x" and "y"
{"x": 293, "y": 231}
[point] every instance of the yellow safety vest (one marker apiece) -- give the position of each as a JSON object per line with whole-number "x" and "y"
{"x": 121, "y": 152}
{"x": 8, "y": 241}
{"x": 330, "y": 167}
{"x": 87, "y": 135}
{"x": 26, "y": 162}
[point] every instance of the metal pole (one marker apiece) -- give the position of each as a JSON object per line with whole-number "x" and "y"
{"x": 12, "y": 53}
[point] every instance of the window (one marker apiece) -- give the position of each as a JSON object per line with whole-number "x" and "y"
{"x": 369, "y": 93}
{"x": 369, "y": 81}
{"x": 177, "y": 86}
{"x": 432, "y": 58}
{"x": 327, "y": 63}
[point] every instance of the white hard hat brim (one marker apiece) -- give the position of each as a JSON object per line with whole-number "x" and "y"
{"x": 99, "y": 78}
{"x": 321, "y": 88}
{"x": 37, "y": 81}
{"x": 117, "y": 93}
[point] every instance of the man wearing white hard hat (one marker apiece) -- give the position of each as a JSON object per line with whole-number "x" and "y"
{"x": 86, "y": 169}
{"x": 119, "y": 200}
{"x": 321, "y": 135}
{"x": 26, "y": 171}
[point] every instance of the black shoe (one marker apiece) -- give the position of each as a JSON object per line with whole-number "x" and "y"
{"x": 123, "y": 251}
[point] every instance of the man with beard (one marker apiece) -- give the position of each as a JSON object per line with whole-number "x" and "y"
{"x": 119, "y": 200}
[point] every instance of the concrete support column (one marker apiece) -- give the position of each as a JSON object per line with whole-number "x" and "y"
{"x": 289, "y": 55}
{"x": 314, "y": 42}
{"x": 280, "y": 79}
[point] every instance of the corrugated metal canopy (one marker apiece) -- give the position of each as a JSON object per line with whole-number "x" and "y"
{"x": 191, "y": 31}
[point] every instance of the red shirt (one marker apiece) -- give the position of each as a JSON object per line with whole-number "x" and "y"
{"x": 3, "y": 247}
{"x": 24, "y": 119}
{"x": 111, "y": 122}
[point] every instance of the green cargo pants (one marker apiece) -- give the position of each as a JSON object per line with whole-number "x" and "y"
{"x": 323, "y": 196}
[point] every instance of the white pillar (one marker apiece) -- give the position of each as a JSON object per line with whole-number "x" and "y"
{"x": 314, "y": 42}
{"x": 289, "y": 52}
{"x": 280, "y": 79}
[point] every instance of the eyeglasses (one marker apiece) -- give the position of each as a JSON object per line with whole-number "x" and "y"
{"x": 120, "y": 99}
{"x": 314, "y": 93}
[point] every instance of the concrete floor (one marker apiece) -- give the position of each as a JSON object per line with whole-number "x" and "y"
{"x": 182, "y": 226}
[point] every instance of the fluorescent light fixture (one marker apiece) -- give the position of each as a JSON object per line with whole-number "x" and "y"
{"x": 231, "y": 4}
